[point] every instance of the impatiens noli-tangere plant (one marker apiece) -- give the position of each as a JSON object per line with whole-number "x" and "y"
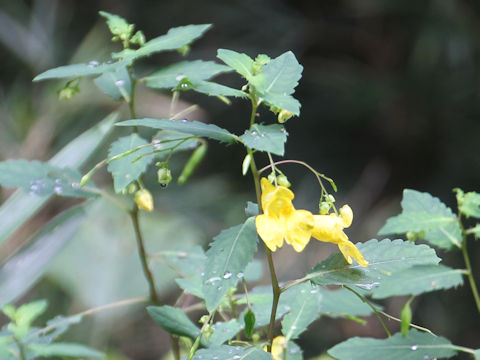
{"x": 238, "y": 321}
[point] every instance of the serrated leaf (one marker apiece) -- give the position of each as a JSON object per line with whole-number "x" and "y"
{"x": 232, "y": 353}
{"x": 27, "y": 313}
{"x": 116, "y": 84}
{"x": 476, "y": 231}
{"x": 417, "y": 345}
{"x": 241, "y": 63}
{"x": 229, "y": 254}
{"x": 385, "y": 258}
{"x": 196, "y": 71}
{"x": 419, "y": 279}
{"x": 213, "y": 89}
{"x": 423, "y": 212}
{"x": 174, "y": 39}
{"x": 41, "y": 178}
{"x": 57, "y": 326}
{"x": 27, "y": 266}
{"x": 270, "y": 138}
{"x": 116, "y": 24}
{"x": 79, "y": 70}
{"x": 304, "y": 310}
{"x": 174, "y": 321}
{"x": 192, "y": 286}
{"x": 20, "y": 206}
{"x": 64, "y": 349}
{"x": 224, "y": 331}
{"x": 186, "y": 262}
{"x": 129, "y": 168}
{"x": 470, "y": 204}
{"x": 341, "y": 302}
{"x": 184, "y": 126}
{"x": 278, "y": 80}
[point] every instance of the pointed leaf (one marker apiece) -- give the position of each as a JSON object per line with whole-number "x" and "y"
{"x": 186, "y": 262}
{"x": 57, "y": 326}
{"x": 174, "y": 321}
{"x": 286, "y": 102}
{"x": 184, "y": 126}
{"x": 116, "y": 84}
{"x": 79, "y": 70}
{"x": 20, "y": 206}
{"x": 232, "y": 353}
{"x": 241, "y": 63}
{"x": 469, "y": 203}
{"x": 213, "y": 89}
{"x": 385, "y": 258}
{"x": 224, "y": 331}
{"x": 423, "y": 212}
{"x": 27, "y": 313}
{"x": 270, "y": 138}
{"x": 341, "y": 302}
{"x": 304, "y": 310}
{"x": 415, "y": 346}
{"x": 64, "y": 349}
{"x": 41, "y": 178}
{"x": 419, "y": 279}
{"x": 195, "y": 71}
{"x": 129, "y": 168}
{"x": 174, "y": 39}
{"x": 229, "y": 254}
{"x": 192, "y": 286}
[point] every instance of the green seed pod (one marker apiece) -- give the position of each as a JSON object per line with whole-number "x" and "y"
{"x": 246, "y": 164}
{"x": 406, "y": 317}
{"x": 192, "y": 163}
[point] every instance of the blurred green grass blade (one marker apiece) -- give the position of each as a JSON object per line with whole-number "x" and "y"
{"x": 24, "y": 268}
{"x": 20, "y": 206}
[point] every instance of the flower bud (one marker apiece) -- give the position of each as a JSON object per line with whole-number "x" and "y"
{"x": 284, "y": 115}
{"x": 144, "y": 200}
{"x": 271, "y": 178}
{"x": 283, "y": 181}
{"x": 324, "y": 208}
{"x": 164, "y": 176}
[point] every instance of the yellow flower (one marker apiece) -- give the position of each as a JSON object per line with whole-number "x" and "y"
{"x": 329, "y": 228}
{"x": 278, "y": 346}
{"x": 281, "y": 220}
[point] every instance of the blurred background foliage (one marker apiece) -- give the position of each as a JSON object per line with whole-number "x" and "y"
{"x": 390, "y": 100}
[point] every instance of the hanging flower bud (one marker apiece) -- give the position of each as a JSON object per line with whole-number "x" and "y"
{"x": 144, "y": 199}
{"x": 284, "y": 115}
{"x": 164, "y": 176}
{"x": 283, "y": 181}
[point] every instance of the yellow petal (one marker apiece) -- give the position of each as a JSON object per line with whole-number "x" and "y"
{"x": 270, "y": 230}
{"x": 329, "y": 228}
{"x": 278, "y": 346}
{"x": 346, "y": 214}
{"x": 298, "y": 229}
{"x": 349, "y": 250}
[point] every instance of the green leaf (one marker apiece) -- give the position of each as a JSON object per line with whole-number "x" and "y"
{"x": 41, "y": 178}
{"x": 213, "y": 89}
{"x": 116, "y": 84}
{"x": 270, "y": 138}
{"x": 194, "y": 71}
{"x": 129, "y": 168}
{"x": 186, "y": 262}
{"x": 304, "y": 310}
{"x": 294, "y": 352}
{"x": 117, "y": 24}
{"x": 417, "y": 345}
{"x": 229, "y": 254}
{"x": 278, "y": 80}
{"x": 419, "y": 279}
{"x": 173, "y": 40}
{"x": 423, "y": 212}
{"x": 79, "y": 70}
{"x": 27, "y": 313}
{"x": 232, "y": 353}
{"x": 27, "y": 266}
{"x": 385, "y": 258}
{"x": 174, "y": 321}
{"x": 192, "y": 286}
{"x": 20, "y": 206}
{"x": 57, "y": 326}
{"x": 184, "y": 126}
{"x": 469, "y": 203}
{"x": 342, "y": 303}
{"x": 476, "y": 231}
{"x": 224, "y": 331}
{"x": 64, "y": 349}
{"x": 241, "y": 63}
{"x": 477, "y": 354}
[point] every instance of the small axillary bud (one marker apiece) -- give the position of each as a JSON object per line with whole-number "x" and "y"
{"x": 144, "y": 200}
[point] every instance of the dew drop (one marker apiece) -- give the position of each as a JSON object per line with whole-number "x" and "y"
{"x": 314, "y": 291}
{"x": 287, "y": 308}
{"x": 227, "y": 275}
{"x": 58, "y": 181}
{"x": 120, "y": 83}
{"x": 215, "y": 358}
{"x": 240, "y": 275}
{"x": 202, "y": 274}
{"x": 180, "y": 77}
{"x": 156, "y": 141}
{"x": 219, "y": 288}
{"x": 213, "y": 279}
{"x": 293, "y": 327}
{"x": 93, "y": 64}
{"x": 302, "y": 291}
{"x": 128, "y": 176}
{"x": 426, "y": 357}
{"x": 236, "y": 356}
{"x": 433, "y": 283}
{"x": 34, "y": 187}
{"x": 182, "y": 255}
{"x": 184, "y": 120}
{"x": 414, "y": 347}
{"x": 57, "y": 189}
{"x": 76, "y": 185}
{"x": 293, "y": 351}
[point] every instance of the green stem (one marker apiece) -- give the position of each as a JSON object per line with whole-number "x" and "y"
{"x": 131, "y": 103}
{"x": 143, "y": 257}
{"x": 375, "y": 310}
{"x": 470, "y": 272}
{"x": 21, "y": 350}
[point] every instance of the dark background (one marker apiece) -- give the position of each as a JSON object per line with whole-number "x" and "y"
{"x": 390, "y": 100}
